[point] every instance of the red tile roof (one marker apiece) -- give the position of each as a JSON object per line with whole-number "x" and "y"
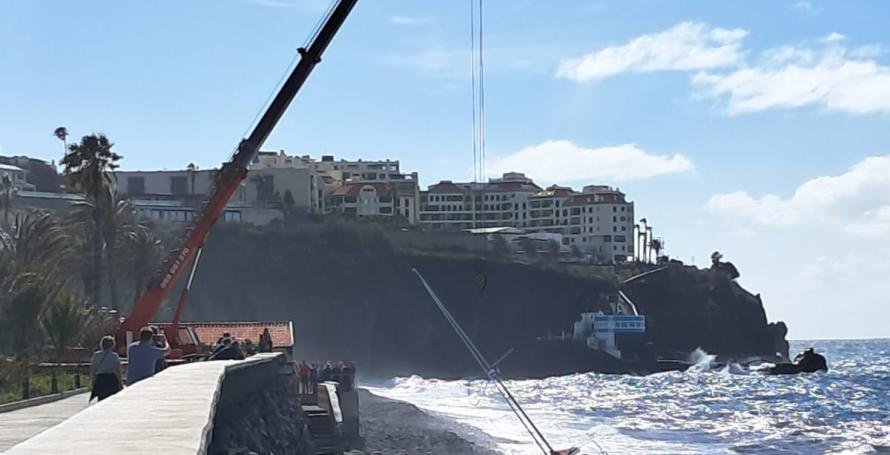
{"x": 208, "y": 332}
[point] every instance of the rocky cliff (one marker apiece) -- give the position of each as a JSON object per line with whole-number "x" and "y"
{"x": 352, "y": 295}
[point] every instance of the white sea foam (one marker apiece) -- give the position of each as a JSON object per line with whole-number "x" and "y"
{"x": 702, "y": 411}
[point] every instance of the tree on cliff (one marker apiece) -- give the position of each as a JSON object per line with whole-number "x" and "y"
{"x": 89, "y": 166}
{"x": 723, "y": 267}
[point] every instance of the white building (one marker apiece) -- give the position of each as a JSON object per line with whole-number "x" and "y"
{"x": 17, "y": 176}
{"x": 597, "y": 221}
{"x": 499, "y": 202}
{"x": 274, "y": 183}
{"x": 599, "y": 330}
{"x": 368, "y": 188}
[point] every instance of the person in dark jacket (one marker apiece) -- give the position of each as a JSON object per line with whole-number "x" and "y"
{"x": 230, "y": 351}
{"x": 105, "y": 370}
{"x": 265, "y": 344}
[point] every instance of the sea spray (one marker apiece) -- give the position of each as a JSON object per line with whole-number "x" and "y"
{"x": 702, "y": 411}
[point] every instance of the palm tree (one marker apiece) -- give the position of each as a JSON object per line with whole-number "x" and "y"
{"x": 31, "y": 264}
{"x": 62, "y": 133}
{"x": 117, "y": 221}
{"x": 143, "y": 252}
{"x": 63, "y": 321}
{"x": 657, "y": 246}
{"x": 39, "y": 245}
{"x": 89, "y": 166}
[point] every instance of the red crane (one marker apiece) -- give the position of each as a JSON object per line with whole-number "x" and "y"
{"x": 228, "y": 180}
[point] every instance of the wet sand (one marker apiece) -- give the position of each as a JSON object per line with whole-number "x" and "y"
{"x": 396, "y": 427}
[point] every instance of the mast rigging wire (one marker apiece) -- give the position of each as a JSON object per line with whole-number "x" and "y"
{"x": 490, "y": 372}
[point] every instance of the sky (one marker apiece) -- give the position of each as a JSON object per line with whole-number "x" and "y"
{"x": 757, "y": 128}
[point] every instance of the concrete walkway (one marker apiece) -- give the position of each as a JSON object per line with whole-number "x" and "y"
{"x": 170, "y": 413}
{"x": 22, "y": 424}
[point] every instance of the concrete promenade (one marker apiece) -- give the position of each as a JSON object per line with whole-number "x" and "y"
{"x": 171, "y": 413}
{"x": 22, "y": 424}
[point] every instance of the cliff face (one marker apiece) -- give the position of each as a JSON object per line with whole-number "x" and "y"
{"x": 687, "y": 308}
{"x": 351, "y": 296}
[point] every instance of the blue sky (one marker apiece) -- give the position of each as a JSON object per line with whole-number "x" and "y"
{"x": 745, "y": 127}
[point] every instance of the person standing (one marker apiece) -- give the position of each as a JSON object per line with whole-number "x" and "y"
{"x": 143, "y": 356}
{"x": 265, "y": 344}
{"x": 304, "y": 370}
{"x": 105, "y": 370}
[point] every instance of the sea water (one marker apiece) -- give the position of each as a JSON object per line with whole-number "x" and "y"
{"x": 730, "y": 409}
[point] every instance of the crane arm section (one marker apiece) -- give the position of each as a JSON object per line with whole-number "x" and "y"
{"x": 231, "y": 175}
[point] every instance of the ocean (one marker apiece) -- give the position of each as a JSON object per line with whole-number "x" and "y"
{"x": 729, "y": 410}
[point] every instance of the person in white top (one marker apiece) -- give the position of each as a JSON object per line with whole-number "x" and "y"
{"x": 105, "y": 370}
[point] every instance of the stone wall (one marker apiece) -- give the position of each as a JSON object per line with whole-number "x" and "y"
{"x": 259, "y": 412}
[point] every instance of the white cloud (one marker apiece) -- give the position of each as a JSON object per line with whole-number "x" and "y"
{"x": 791, "y": 77}
{"x": 807, "y": 7}
{"x": 858, "y": 200}
{"x": 413, "y": 20}
{"x": 686, "y": 46}
{"x": 564, "y": 161}
{"x": 826, "y": 75}
{"x": 453, "y": 63}
{"x": 834, "y": 37}
{"x": 873, "y": 222}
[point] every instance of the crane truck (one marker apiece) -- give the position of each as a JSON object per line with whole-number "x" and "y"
{"x": 228, "y": 180}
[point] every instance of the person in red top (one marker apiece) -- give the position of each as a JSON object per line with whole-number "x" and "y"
{"x": 304, "y": 370}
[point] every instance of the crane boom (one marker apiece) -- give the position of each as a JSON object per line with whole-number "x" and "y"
{"x": 230, "y": 176}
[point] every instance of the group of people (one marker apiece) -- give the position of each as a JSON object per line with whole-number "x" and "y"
{"x": 144, "y": 358}
{"x": 311, "y": 374}
{"x": 228, "y": 347}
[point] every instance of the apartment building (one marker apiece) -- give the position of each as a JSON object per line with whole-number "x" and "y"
{"x": 338, "y": 172}
{"x": 498, "y": 202}
{"x": 597, "y": 221}
{"x": 368, "y": 188}
{"x": 274, "y": 183}
{"x": 395, "y": 198}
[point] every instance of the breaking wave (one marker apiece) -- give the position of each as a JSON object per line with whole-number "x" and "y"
{"x": 706, "y": 410}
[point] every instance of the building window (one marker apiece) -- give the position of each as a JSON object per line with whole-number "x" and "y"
{"x": 179, "y": 186}
{"x": 232, "y": 216}
{"x": 265, "y": 187}
{"x": 136, "y": 186}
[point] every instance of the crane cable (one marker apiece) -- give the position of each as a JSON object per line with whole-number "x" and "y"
{"x": 477, "y": 73}
{"x": 481, "y": 98}
{"x": 309, "y": 39}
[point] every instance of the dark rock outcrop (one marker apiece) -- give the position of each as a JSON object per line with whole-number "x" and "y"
{"x": 352, "y": 296}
